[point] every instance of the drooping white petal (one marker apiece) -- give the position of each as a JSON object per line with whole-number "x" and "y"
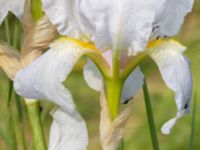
{"x": 171, "y": 16}
{"x": 175, "y": 70}
{"x": 63, "y": 15}
{"x": 92, "y": 76}
{"x": 166, "y": 128}
{"x": 125, "y": 24}
{"x": 131, "y": 86}
{"x": 14, "y": 6}
{"x": 43, "y": 78}
{"x": 68, "y": 131}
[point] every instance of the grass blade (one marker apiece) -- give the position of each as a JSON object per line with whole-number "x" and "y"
{"x": 19, "y": 108}
{"x": 152, "y": 128}
{"x": 10, "y": 89}
{"x": 12, "y": 130}
{"x": 4, "y": 134}
{"x": 191, "y": 145}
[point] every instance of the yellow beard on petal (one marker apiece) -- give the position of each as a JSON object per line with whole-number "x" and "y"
{"x": 81, "y": 44}
{"x": 160, "y": 41}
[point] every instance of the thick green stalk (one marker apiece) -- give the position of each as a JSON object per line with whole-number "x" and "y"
{"x": 36, "y": 9}
{"x": 36, "y": 124}
{"x": 113, "y": 85}
{"x": 150, "y": 117}
{"x": 113, "y": 93}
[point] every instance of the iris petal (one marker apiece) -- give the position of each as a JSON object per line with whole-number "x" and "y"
{"x": 62, "y": 14}
{"x": 43, "y": 78}
{"x": 109, "y": 24}
{"x": 172, "y": 15}
{"x": 175, "y": 71}
{"x": 68, "y": 131}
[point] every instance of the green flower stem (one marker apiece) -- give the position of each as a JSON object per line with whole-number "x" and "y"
{"x": 36, "y": 124}
{"x": 36, "y": 9}
{"x": 113, "y": 85}
{"x": 150, "y": 117}
{"x": 113, "y": 92}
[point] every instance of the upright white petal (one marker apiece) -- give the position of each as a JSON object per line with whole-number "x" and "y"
{"x": 171, "y": 16}
{"x": 131, "y": 86}
{"x": 43, "y": 78}
{"x": 14, "y": 6}
{"x": 125, "y": 24}
{"x": 175, "y": 70}
{"x": 63, "y": 15}
{"x": 93, "y": 76}
{"x": 68, "y": 131}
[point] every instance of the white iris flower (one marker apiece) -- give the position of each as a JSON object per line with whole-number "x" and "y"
{"x": 126, "y": 28}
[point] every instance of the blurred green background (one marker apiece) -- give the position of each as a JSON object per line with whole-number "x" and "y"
{"x": 137, "y": 134}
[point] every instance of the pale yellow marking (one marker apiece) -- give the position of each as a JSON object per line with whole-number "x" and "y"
{"x": 158, "y": 42}
{"x": 79, "y": 43}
